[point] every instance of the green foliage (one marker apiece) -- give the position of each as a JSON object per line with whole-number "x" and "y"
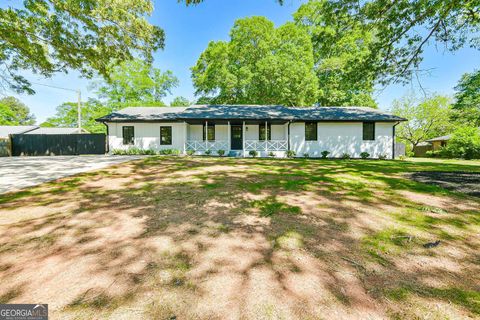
{"x": 364, "y": 155}
{"x": 325, "y": 154}
{"x": 180, "y": 102}
{"x": 190, "y": 152}
{"x": 253, "y": 153}
{"x": 427, "y": 118}
{"x": 306, "y": 155}
{"x": 260, "y": 64}
{"x": 208, "y": 152}
{"x": 464, "y": 143}
{"x": 133, "y": 151}
{"x": 169, "y": 152}
{"x": 345, "y": 156}
{"x": 403, "y": 28}
{"x": 135, "y": 83}
{"x": 271, "y": 154}
{"x": 221, "y": 152}
{"x": 342, "y": 54}
{"x": 291, "y": 153}
{"x": 66, "y": 116}
{"x": 467, "y": 99}
{"x": 13, "y": 112}
{"x": 86, "y": 35}
{"x": 382, "y": 156}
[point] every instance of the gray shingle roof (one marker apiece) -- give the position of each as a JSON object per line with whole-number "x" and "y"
{"x": 49, "y": 130}
{"x": 250, "y": 112}
{"x": 6, "y": 130}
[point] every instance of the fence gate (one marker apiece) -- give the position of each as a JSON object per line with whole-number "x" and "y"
{"x": 57, "y": 144}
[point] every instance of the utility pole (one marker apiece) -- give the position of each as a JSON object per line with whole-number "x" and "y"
{"x": 79, "y": 111}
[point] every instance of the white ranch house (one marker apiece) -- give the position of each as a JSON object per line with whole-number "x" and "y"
{"x": 238, "y": 129}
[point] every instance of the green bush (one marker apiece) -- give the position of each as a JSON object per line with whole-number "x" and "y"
{"x": 190, "y": 152}
{"x": 345, "y": 156}
{"x": 325, "y": 154}
{"x": 306, "y": 155}
{"x": 271, "y": 154}
{"x": 464, "y": 143}
{"x": 291, "y": 154}
{"x": 133, "y": 151}
{"x": 221, "y": 152}
{"x": 434, "y": 154}
{"x": 174, "y": 152}
{"x": 253, "y": 153}
{"x": 382, "y": 156}
{"x": 364, "y": 155}
{"x": 208, "y": 152}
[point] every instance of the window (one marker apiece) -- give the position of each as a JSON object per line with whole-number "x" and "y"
{"x": 128, "y": 135}
{"x": 261, "y": 131}
{"x": 165, "y": 135}
{"x": 369, "y": 131}
{"x": 310, "y": 131}
{"x": 210, "y": 132}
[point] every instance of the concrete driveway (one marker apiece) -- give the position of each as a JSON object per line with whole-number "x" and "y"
{"x": 21, "y": 172}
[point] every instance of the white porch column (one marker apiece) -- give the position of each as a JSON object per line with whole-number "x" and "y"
{"x": 206, "y": 135}
{"x": 185, "y": 139}
{"x": 229, "y": 140}
{"x": 243, "y": 138}
{"x": 287, "y": 137}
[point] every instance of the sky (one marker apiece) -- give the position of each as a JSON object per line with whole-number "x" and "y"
{"x": 190, "y": 29}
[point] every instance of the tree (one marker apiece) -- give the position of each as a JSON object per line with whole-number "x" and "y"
{"x": 403, "y": 28}
{"x": 14, "y": 112}
{"x": 467, "y": 99}
{"x": 50, "y": 36}
{"x": 341, "y": 47}
{"x": 66, "y": 116}
{"x": 464, "y": 143}
{"x": 427, "y": 118}
{"x": 258, "y": 65}
{"x": 180, "y": 102}
{"x": 135, "y": 83}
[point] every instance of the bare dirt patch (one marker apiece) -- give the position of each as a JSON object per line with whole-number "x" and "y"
{"x": 464, "y": 182}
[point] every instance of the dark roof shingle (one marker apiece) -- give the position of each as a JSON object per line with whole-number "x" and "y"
{"x": 249, "y": 112}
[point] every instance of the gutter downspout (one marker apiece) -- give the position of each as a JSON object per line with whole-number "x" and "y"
{"x": 393, "y": 139}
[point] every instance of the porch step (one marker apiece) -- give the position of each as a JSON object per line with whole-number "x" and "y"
{"x": 235, "y": 153}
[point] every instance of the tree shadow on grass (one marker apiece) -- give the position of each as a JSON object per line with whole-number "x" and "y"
{"x": 289, "y": 238}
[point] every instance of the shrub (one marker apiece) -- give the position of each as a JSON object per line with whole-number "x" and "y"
{"x": 306, "y": 155}
{"x": 208, "y": 152}
{"x": 271, "y": 154}
{"x": 402, "y": 158}
{"x": 464, "y": 143}
{"x": 364, "y": 155}
{"x": 382, "y": 156}
{"x": 433, "y": 154}
{"x": 345, "y": 156}
{"x": 291, "y": 154}
{"x": 190, "y": 152}
{"x": 174, "y": 152}
{"x": 221, "y": 152}
{"x": 253, "y": 153}
{"x": 133, "y": 151}
{"x": 325, "y": 154}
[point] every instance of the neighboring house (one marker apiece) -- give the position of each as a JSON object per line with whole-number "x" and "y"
{"x": 51, "y": 130}
{"x": 439, "y": 142}
{"x": 238, "y": 129}
{"x": 5, "y": 131}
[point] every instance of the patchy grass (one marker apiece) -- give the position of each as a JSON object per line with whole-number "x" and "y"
{"x": 210, "y": 238}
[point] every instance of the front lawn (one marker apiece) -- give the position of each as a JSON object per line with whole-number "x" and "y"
{"x": 221, "y": 238}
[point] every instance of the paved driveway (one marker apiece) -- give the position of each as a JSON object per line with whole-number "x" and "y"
{"x": 20, "y": 172}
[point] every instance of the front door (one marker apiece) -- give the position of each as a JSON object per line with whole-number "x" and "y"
{"x": 236, "y": 135}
